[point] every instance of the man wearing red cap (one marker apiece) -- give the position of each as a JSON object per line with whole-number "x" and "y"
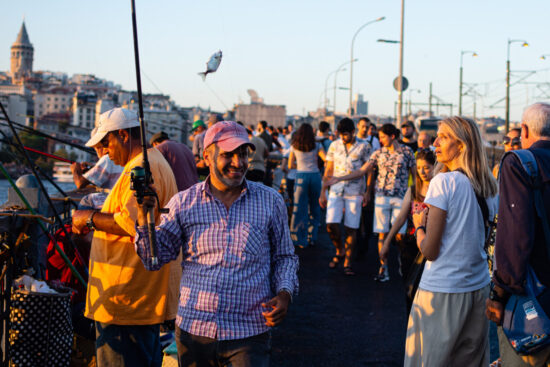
{"x": 239, "y": 266}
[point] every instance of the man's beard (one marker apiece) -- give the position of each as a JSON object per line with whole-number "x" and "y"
{"x": 229, "y": 182}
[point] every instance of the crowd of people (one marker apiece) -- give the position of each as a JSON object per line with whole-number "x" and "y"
{"x": 246, "y": 200}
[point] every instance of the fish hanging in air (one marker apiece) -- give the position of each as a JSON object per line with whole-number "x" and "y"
{"x": 212, "y": 65}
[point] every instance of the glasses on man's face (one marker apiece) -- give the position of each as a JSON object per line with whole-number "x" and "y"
{"x": 507, "y": 140}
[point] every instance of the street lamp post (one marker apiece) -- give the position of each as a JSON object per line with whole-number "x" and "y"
{"x": 400, "y": 81}
{"x": 351, "y": 58}
{"x": 523, "y": 44}
{"x": 334, "y": 72}
{"x": 462, "y": 53}
{"x": 410, "y": 99}
{"x": 335, "y": 78}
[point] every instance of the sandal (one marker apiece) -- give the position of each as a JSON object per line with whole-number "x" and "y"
{"x": 335, "y": 261}
{"x": 348, "y": 271}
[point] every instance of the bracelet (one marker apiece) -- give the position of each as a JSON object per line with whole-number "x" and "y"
{"x": 420, "y": 228}
{"x": 493, "y": 295}
{"x": 90, "y": 222}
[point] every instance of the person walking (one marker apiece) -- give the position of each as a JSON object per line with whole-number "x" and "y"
{"x": 447, "y": 325}
{"x": 307, "y": 190}
{"x": 413, "y": 203}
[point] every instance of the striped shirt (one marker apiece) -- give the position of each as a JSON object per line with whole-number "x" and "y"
{"x": 233, "y": 260}
{"x": 104, "y": 173}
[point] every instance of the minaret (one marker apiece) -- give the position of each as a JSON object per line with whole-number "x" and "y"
{"x": 21, "y": 55}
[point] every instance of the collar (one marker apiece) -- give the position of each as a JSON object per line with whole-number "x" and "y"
{"x": 247, "y": 187}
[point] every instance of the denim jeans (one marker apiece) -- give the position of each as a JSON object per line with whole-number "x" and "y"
{"x": 307, "y": 189}
{"x": 200, "y": 351}
{"x": 128, "y": 345}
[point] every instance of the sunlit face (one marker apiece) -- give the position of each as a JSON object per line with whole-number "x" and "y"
{"x": 512, "y": 141}
{"x": 362, "y": 128}
{"x": 115, "y": 144}
{"x": 407, "y": 131}
{"x": 385, "y": 140}
{"x": 447, "y": 148}
{"x": 227, "y": 169}
{"x": 425, "y": 170}
{"x": 346, "y": 137}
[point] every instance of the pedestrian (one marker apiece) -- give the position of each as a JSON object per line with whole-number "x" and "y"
{"x": 413, "y": 203}
{"x": 179, "y": 157}
{"x": 307, "y": 190}
{"x": 425, "y": 141}
{"x": 199, "y": 129}
{"x": 256, "y": 159}
{"x": 345, "y": 198}
{"x": 239, "y": 267}
{"x": 512, "y": 141}
{"x": 394, "y": 162}
{"x": 103, "y": 175}
{"x": 447, "y": 325}
{"x": 520, "y": 241}
{"x": 127, "y": 302}
{"x": 408, "y": 131}
{"x": 373, "y": 137}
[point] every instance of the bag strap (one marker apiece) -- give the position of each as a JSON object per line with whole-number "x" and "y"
{"x": 484, "y": 211}
{"x": 529, "y": 164}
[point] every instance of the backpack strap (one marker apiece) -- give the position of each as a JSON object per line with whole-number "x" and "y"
{"x": 529, "y": 164}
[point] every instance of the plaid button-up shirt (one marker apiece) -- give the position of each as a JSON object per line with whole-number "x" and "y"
{"x": 233, "y": 260}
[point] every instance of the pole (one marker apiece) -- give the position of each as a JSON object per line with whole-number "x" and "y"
{"x": 400, "y": 81}
{"x": 507, "y": 119}
{"x": 460, "y": 90}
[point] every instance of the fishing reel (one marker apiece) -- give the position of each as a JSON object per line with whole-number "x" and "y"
{"x": 138, "y": 183}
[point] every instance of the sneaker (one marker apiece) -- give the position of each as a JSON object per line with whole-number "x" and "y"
{"x": 383, "y": 275}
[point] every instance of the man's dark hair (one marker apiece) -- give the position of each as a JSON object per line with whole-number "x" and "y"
{"x": 366, "y": 119}
{"x": 240, "y": 123}
{"x": 134, "y": 132}
{"x": 324, "y": 126}
{"x": 270, "y": 127}
{"x": 346, "y": 125}
{"x": 390, "y": 129}
{"x": 264, "y": 124}
{"x": 158, "y": 138}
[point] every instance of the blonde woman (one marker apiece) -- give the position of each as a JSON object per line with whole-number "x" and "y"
{"x": 447, "y": 325}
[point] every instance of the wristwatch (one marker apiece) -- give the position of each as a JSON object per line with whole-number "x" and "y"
{"x": 493, "y": 295}
{"x": 90, "y": 222}
{"x": 418, "y": 228}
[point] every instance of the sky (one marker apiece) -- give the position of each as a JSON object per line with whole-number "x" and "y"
{"x": 288, "y": 50}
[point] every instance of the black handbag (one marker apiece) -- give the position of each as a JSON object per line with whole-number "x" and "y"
{"x": 413, "y": 277}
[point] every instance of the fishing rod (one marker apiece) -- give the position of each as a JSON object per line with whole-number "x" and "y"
{"x": 43, "y": 188}
{"x": 141, "y": 178}
{"x": 49, "y": 155}
{"x": 44, "y": 229}
{"x": 30, "y": 130}
{"x": 42, "y": 173}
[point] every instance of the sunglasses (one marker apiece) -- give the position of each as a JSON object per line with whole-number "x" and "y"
{"x": 515, "y": 141}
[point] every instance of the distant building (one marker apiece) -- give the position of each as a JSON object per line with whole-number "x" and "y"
{"x": 84, "y": 108}
{"x": 52, "y": 100}
{"x": 21, "y": 57}
{"x": 360, "y": 107}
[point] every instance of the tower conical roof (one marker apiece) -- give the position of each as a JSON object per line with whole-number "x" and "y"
{"x": 23, "y": 37}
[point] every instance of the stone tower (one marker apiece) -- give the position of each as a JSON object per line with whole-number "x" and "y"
{"x": 21, "y": 56}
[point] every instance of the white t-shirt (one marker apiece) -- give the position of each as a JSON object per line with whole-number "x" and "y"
{"x": 462, "y": 263}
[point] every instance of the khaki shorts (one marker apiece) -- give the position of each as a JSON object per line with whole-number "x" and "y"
{"x": 448, "y": 329}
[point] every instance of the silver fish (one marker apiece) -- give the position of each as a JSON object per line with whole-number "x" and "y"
{"x": 212, "y": 65}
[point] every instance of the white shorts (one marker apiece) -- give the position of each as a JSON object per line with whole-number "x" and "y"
{"x": 386, "y": 209}
{"x": 352, "y": 205}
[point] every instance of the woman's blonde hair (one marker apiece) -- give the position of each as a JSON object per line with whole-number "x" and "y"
{"x": 473, "y": 158}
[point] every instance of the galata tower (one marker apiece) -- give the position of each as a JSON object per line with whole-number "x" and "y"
{"x": 21, "y": 56}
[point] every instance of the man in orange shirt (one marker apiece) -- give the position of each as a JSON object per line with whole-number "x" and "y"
{"x": 127, "y": 302}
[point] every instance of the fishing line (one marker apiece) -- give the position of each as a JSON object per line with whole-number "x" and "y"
{"x": 216, "y": 95}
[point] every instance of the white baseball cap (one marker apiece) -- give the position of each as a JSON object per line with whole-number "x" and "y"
{"x": 113, "y": 120}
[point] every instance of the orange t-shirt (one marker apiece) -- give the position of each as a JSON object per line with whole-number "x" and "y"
{"x": 120, "y": 290}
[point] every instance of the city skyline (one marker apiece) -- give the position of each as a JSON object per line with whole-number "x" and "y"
{"x": 285, "y": 51}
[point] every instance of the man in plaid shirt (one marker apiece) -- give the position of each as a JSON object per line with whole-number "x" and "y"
{"x": 239, "y": 266}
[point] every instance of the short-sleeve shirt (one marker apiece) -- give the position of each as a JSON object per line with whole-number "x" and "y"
{"x": 180, "y": 158}
{"x": 198, "y": 144}
{"x": 393, "y": 170}
{"x": 120, "y": 290}
{"x": 461, "y": 265}
{"x": 307, "y": 161}
{"x": 104, "y": 173}
{"x": 256, "y": 161}
{"x": 345, "y": 162}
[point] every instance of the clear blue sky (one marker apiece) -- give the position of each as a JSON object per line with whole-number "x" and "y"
{"x": 285, "y": 49}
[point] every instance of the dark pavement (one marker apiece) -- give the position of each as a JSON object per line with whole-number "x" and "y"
{"x": 340, "y": 320}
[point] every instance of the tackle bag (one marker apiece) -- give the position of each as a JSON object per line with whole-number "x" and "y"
{"x": 41, "y": 332}
{"x": 525, "y": 323}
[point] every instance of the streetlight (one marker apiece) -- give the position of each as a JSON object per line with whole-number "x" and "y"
{"x": 523, "y": 44}
{"x": 334, "y": 72}
{"x": 462, "y": 53}
{"x": 351, "y": 58}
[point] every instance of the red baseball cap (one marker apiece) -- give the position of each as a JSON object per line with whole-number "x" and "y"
{"x": 228, "y": 135}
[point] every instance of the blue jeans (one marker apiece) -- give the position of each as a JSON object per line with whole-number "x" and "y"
{"x": 128, "y": 345}
{"x": 307, "y": 189}
{"x": 200, "y": 351}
